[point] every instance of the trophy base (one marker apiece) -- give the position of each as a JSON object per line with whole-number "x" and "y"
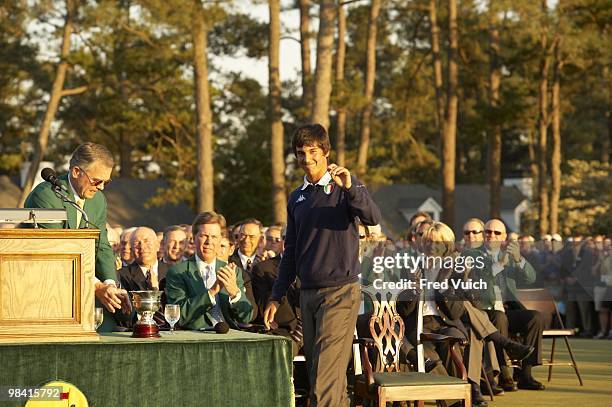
{"x": 146, "y": 331}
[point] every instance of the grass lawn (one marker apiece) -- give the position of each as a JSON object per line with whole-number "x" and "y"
{"x": 594, "y": 358}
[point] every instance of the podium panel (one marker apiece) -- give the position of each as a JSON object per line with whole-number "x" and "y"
{"x": 47, "y": 285}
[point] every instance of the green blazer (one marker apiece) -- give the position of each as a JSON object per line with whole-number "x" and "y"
{"x": 184, "y": 286}
{"x": 510, "y": 274}
{"x": 43, "y": 197}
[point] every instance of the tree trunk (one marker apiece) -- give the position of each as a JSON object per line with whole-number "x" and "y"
{"x": 323, "y": 75}
{"x": 305, "y": 35}
{"x": 450, "y": 128}
{"x": 40, "y": 148}
{"x": 341, "y": 109}
{"x": 543, "y": 208}
{"x": 437, "y": 67}
{"x": 495, "y": 132}
{"x": 278, "y": 160}
{"x": 607, "y": 133}
{"x": 366, "y": 113}
{"x": 205, "y": 174}
{"x": 555, "y": 161}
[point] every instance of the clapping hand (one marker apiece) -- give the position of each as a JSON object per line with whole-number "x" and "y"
{"x": 514, "y": 250}
{"x": 226, "y": 276}
{"x": 340, "y": 175}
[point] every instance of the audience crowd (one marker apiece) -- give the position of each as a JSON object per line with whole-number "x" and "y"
{"x": 501, "y": 333}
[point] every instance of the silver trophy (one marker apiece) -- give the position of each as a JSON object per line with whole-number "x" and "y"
{"x": 146, "y": 304}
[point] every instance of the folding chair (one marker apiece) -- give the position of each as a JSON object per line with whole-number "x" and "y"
{"x": 539, "y": 299}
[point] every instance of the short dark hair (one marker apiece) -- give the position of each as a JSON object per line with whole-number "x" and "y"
{"x": 311, "y": 135}
{"x": 420, "y": 214}
{"x": 170, "y": 229}
{"x": 207, "y": 218}
{"x": 252, "y": 221}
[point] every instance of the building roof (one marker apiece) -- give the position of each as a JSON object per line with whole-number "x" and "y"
{"x": 126, "y": 198}
{"x": 471, "y": 201}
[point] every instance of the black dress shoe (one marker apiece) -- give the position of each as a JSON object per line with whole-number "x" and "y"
{"x": 478, "y": 400}
{"x": 517, "y": 351}
{"x": 530, "y": 384}
{"x": 497, "y": 391}
{"x": 508, "y": 385}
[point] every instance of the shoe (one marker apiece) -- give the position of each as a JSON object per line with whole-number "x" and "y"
{"x": 517, "y": 351}
{"x": 609, "y": 334}
{"x": 477, "y": 399}
{"x": 497, "y": 391}
{"x": 508, "y": 385}
{"x": 530, "y": 384}
{"x": 600, "y": 335}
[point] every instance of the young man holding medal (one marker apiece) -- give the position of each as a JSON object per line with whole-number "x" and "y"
{"x": 322, "y": 248}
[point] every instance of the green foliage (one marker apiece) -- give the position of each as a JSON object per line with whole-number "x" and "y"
{"x": 586, "y": 193}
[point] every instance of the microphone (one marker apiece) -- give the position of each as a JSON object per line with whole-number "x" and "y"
{"x": 220, "y": 328}
{"x": 50, "y": 176}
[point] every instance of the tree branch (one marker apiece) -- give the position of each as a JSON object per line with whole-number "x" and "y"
{"x": 74, "y": 91}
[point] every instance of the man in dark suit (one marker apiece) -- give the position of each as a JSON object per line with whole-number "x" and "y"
{"x": 263, "y": 276}
{"x": 250, "y": 240}
{"x": 90, "y": 169}
{"x": 208, "y": 290}
{"x": 145, "y": 272}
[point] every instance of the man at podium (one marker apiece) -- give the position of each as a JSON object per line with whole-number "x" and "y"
{"x": 90, "y": 170}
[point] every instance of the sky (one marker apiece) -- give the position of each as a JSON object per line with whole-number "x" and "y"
{"x": 290, "y": 55}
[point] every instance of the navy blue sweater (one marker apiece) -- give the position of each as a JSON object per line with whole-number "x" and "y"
{"x": 322, "y": 240}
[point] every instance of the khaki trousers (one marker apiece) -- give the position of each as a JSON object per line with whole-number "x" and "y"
{"x": 329, "y": 316}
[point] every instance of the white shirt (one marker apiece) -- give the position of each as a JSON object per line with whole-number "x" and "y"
{"x": 325, "y": 179}
{"x": 80, "y": 201}
{"x": 244, "y": 259}
{"x": 209, "y": 276}
{"x": 429, "y": 306}
{"x": 153, "y": 270}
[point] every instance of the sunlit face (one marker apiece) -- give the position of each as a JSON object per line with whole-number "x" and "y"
{"x": 473, "y": 234}
{"x": 313, "y": 161}
{"x": 145, "y": 246}
{"x": 250, "y": 237}
{"x": 495, "y": 234}
{"x": 87, "y": 181}
{"x": 174, "y": 245}
{"x": 207, "y": 241}
{"x": 126, "y": 247}
{"x": 274, "y": 241}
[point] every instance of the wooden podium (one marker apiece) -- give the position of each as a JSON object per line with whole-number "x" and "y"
{"x": 47, "y": 285}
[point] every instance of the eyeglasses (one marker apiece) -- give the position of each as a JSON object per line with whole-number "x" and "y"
{"x": 274, "y": 239}
{"x": 472, "y": 232}
{"x": 94, "y": 181}
{"x": 496, "y": 232}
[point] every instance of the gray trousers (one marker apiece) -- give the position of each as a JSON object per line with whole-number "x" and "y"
{"x": 329, "y": 316}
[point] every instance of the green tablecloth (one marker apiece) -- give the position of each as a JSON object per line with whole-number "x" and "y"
{"x": 186, "y": 369}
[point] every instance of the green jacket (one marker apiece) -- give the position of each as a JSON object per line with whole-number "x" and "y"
{"x": 44, "y": 197}
{"x": 511, "y": 273}
{"x": 184, "y": 286}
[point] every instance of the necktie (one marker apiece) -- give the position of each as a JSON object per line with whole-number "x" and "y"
{"x": 148, "y": 278}
{"x": 249, "y": 265}
{"x": 81, "y": 203}
{"x": 216, "y": 315}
